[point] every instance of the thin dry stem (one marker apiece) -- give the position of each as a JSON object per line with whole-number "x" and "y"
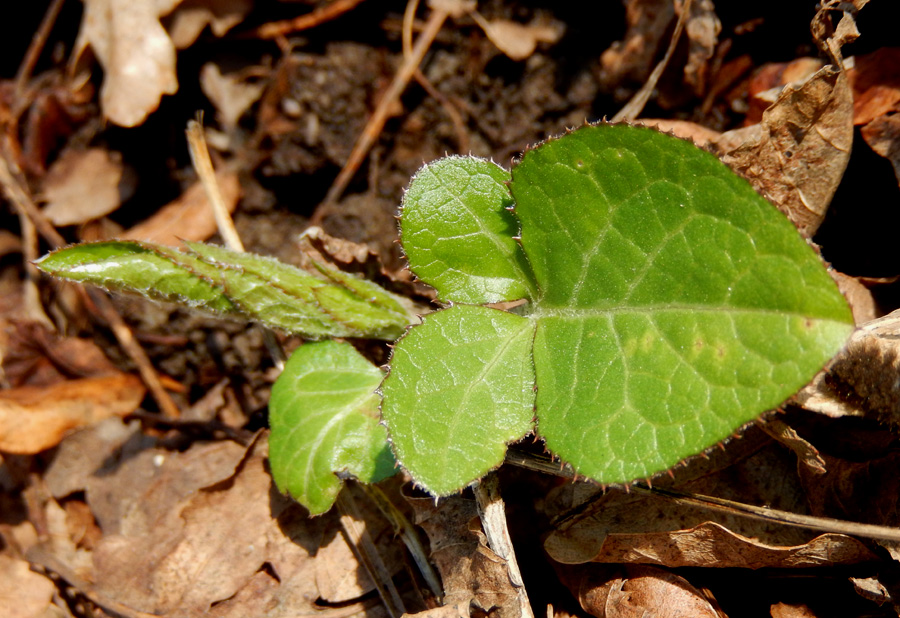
{"x": 635, "y": 106}
{"x": 379, "y": 116}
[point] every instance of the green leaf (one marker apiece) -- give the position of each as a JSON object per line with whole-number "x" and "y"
{"x": 459, "y": 232}
{"x": 672, "y": 303}
{"x": 239, "y": 285}
{"x": 461, "y": 387}
{"x": 323, "y": 415}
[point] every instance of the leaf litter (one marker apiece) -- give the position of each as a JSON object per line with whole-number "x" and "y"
{"x": 168, "y": 519}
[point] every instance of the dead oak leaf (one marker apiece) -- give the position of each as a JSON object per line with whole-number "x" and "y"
{"x": 85, "y": 185}
{"x": 136, "y": 54}
{"x": 797, "y": 154}
{"x": 33, "y": 419}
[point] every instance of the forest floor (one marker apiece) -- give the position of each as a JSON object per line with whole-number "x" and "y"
{"x": 136, "y": 483}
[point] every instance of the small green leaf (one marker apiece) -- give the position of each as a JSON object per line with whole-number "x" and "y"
{"x": 238, "y": 284}
{"x": 323, "y": 414}
{"x": 458, "y": 233}
{"x": 461, "y": 387}
{"x": 671, "y": 305}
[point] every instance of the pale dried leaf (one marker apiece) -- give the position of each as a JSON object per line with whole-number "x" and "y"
{"x": 791, "y": 610}
{"x": 23, "y": 593}
{"x": 518, "y": 41}
{"x": 34, "y": 419}
{"x": 136, "y": 53}
{"x": 684, "y": 129}
{"x": 85, "y": 184}
{"x": 81, "y": 454}
{"x": 189, "y": 217}
{"x": 457, "y": 610}
{"x": 231, "y": 94}
{"x": 192, "y": 16}
{"x": 797, "y": 155}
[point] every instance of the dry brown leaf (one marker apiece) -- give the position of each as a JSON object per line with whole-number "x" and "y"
{"x": 34, "y": 419}
{"x": 620, "y": 526}
{"x": 876, "y": 84}
{"x": 230, "y": 94}
{"x": 639, "y": 591}
{"x": 85, "y": 184}
{"x": 339, "y": 575}
{"x": 710, "y": 544}
{"x": 767, "y": 83}
{"x": 136, "y": 53}
{"x": 23, "y": 593}
{"x": 469, "y": 570}
{"x": 192, "y": 16}
{"x": 83, "y": 453}
{"x": 189, "y": 217}
{"x": 797, "y": 155}
{"x": 206, "y": 545}
{"x": 33, "y": 355}
{"x": 883, "y": 136}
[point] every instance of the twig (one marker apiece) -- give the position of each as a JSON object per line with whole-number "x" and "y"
{"x": 362, "y": 545}
{"x": 823, "y": 524}
{"x": 38, "y": 40}
{"x": 16, "y": 193}
{"x": 492, "y": 512}
{"x": 379, "y": 116}
{"x": 635, "y": 106}
{"x": 328, "y": 12}
{"x": 204, "y": 167}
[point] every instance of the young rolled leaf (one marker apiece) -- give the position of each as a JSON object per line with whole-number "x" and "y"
{"x": 671, "y": 304}
{"x": 230, "y": 283}
{"x": 323, "y": 414}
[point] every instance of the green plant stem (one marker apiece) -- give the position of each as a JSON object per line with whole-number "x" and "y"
{"x": 492, "y": 511}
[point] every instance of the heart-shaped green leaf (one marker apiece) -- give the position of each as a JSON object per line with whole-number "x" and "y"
{"x": 671, "y": 305}
{"x": 327, "y": 303}
{"x": 324, "y": 419}
{"x": 452, "y": 414}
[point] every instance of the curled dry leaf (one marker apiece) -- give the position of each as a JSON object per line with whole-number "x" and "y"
{"x": 34, "y": 419}
{"x": 85, "y": 185}
{"x": 189, "y": 217}
{"x": 797, "y": 154}
{"x": 136, "y": 53}
{"x": 637, "y": 591}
